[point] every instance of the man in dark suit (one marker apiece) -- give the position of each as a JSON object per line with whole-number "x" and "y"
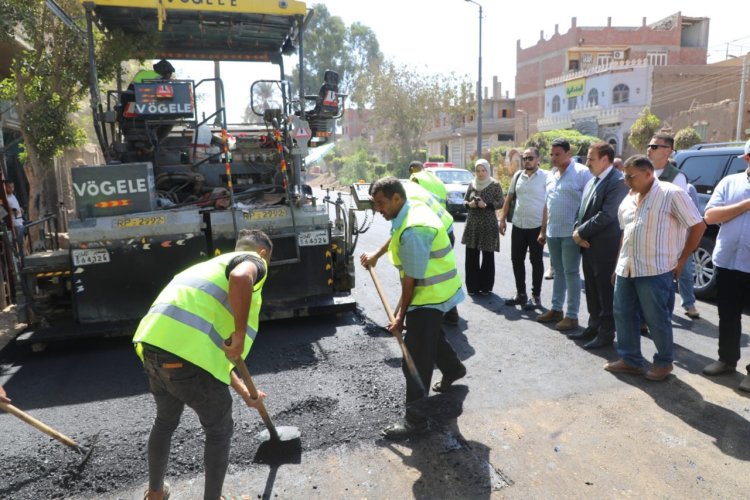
{"x": 597, "y": 232}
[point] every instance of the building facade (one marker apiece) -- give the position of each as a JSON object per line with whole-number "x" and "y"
{"x": 455, "y": 137}
{"x": 597, "y": 79}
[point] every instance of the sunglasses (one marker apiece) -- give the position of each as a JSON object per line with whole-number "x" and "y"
{"x": 528, "y": 158}
{"x": 654, "y": 147}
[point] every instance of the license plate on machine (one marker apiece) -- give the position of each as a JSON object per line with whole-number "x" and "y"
{"x": 90, "y": 256}
{"x": 313, "y": 238}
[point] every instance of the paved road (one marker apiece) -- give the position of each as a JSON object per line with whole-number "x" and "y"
{"x": 536, "y": 415}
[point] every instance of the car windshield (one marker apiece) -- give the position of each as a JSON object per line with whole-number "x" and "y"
{"x": 457, "y": 176}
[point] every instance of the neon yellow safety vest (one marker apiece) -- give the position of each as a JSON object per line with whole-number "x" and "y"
{"x": 416, "y": 192}
{"x": 192, "y": 317}
{"x": 146, "y": 74}
{"x": 441, "y": 280}
{"x": 433, "y": 184}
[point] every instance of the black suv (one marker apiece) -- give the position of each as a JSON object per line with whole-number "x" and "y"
{"x": 704, "y": 166}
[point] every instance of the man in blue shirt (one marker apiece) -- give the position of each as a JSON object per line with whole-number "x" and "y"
{"x": 564, "y": 194}
{"x": 425, "y": 338}
{"x": 730, "y": 206}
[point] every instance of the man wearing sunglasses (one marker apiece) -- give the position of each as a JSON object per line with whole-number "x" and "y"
{"x": 527, "y": 190}
{"x": 659, "y": 151}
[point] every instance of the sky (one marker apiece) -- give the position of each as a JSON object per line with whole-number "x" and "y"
{"x": 442, "y": 35}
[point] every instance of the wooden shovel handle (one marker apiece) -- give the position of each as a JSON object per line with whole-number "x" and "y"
{"x": 241, "y": 367}
{"x": 248, "y": 380}
{"x": 404, "y": 350}
{"x": 39, "y": 425}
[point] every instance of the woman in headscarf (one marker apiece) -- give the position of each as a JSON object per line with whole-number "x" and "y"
{"x": 483, "y": 197}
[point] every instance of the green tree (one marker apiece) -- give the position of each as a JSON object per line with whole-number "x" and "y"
{"x": 330, "y": 44}
{"x": 403, "y": 102}
{"x": 686, "y": 138}
{"x": 643, "y": 129}
{"x": 48, "y": 82}
{"x": 579, "y": 143}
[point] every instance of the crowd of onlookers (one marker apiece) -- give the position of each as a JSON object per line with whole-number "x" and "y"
{"x": 632, "y": 226}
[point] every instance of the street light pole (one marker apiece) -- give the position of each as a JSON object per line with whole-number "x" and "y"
{"x": 479, "y": 84}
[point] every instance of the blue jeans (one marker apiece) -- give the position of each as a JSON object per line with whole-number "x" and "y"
{"x": 175, "y": 383}
{"x": 654, "y": 296}
{"x": 686, "y": 284}
{"x": 565, "y": 257}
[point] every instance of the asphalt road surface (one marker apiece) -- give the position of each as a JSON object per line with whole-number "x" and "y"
{"x": 536, "y": 416}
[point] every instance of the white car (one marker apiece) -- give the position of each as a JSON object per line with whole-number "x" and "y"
{"x": 456, "y": 182}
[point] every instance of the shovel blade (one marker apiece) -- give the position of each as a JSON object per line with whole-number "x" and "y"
{"x": 286, "y": 433}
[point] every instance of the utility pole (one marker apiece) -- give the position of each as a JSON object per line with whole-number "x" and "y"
{"x": 741, "y": 100}
{"x": 479, "y": 85}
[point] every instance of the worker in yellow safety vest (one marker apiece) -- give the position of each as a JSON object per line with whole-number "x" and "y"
{"x": 429, "y": 181}
{"x": 415, "y": 192}
{"x": 430, "y": 286}
{"x": 163, "y": 70}
{"x": 181, "y": 342}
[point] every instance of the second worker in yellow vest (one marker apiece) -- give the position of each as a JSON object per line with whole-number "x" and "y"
{"x": 181, "y": 343}
{"x": 430, "y": 286}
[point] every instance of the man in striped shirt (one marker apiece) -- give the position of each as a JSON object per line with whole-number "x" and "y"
{"x": 654, "y": 218}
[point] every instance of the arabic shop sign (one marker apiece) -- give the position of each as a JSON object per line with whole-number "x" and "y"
{"x": 575, "y": 88}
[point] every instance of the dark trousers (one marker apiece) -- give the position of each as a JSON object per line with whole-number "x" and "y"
{"x": 597, "y": 274}
{"x": 428, "y": 347}
{"x": 522, "y": 240}
{"x": 479, "y": 278}
{"x": 175, "y": 383}
{"x": 733, "y": 290}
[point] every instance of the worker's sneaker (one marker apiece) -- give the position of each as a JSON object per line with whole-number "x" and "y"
{"x": 405, "y": 429}
{"x": 550, "y": 274}
{"x": 692, "y": 313}
{"x": 657, "y": 373}
{"x": 550, "y": 316}
{"x": 566, "y": 324}
{"x": 718, "y": 367}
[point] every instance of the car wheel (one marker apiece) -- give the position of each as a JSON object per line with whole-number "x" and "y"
{"x": 705, "y": 272}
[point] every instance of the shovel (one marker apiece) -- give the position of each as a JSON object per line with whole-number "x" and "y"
{"x": 272, "y": 433}
{"x": 86, "y": 452}
{"x": 407, "y": 357}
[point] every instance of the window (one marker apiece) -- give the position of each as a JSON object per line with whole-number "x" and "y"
{"x": 704, "y": 172}
{"x": 572, "y": 101}
{"x": 702, "y": 129}
{"x": 603, "y": 59}
{"x": 657, "y": 58}
{"x": 738, "y": 165}
{"x": 556, "y": 104}
{"x": 620, "y": 94}
{"x": 573, "y": 65}
{"x": 593, "y": 97}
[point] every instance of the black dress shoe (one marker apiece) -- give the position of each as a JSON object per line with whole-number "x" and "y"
{"x": 518, "y": 300}
{"x": 587, "y": 334}
{"x": 405, "y": 429}
{"x": 600, "y": 341}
